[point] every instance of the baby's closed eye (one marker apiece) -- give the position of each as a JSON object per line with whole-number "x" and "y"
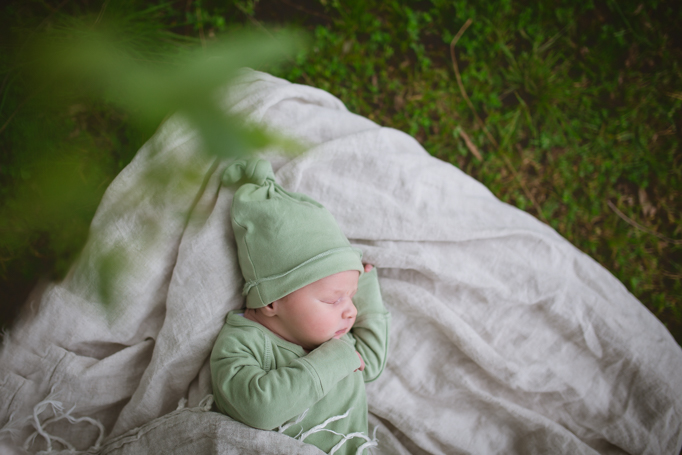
{"x": 335, "y": 300}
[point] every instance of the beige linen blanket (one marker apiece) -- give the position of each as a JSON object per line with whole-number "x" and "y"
{"x": 505, "y": 338}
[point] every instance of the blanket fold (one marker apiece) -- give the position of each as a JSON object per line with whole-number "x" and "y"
{"x": 505, "y": 338}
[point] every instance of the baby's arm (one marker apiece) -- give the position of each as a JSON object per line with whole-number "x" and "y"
{"x": 247, "y": 391}
{"x": 371, "y": 327}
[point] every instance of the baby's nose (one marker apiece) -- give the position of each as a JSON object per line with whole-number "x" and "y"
{"x": 349, "y": 310}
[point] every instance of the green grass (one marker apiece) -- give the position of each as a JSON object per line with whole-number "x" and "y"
{"x": 582, "y": 101}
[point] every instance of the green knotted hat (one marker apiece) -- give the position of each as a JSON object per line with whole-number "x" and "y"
{"x": 284, "y": 240}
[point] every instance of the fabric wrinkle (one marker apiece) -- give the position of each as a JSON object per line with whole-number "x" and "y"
{"x": 505, "y": 338}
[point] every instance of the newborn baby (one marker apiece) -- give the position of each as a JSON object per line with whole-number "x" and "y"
{"x": 314, "y": 329}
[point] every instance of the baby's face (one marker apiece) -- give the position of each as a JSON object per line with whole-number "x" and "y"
{"x": 319, "y": 311}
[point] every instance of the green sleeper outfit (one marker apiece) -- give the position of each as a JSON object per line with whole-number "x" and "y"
{"x": 266, "y": 382}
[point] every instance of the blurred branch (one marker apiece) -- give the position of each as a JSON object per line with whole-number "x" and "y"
{"x": 101, "y": 12}
{"x": 470, "y": 145}
{"x": 632, "y": 222}
{"x": 461, "y": 85}
{"x": 490, "y": 137}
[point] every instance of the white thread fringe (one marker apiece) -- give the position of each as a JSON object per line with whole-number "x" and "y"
{"x": 58, "y": 412}
{"x": 206, "y": 403}
{"x": 14, "y": 426}
{"x": 369, "y": 442}
{"x": 283, "y": 428}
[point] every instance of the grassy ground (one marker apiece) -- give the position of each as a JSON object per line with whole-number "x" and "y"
{"x": 568, "y": 110}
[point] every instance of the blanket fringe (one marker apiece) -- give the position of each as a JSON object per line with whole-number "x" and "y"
{"x": 13, "y": 426}
{"x": 181, "y": 404}
{"x": 40, "y": 423}
{"x": 283, "y": 428}
{"x": 369, "y": 442}
{"x": 59, "y": 413}
{"x": 205, "y": 403}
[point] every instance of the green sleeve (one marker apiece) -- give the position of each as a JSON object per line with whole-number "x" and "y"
{"x": 248, "y": 391}
{"x": 372, "y": 324}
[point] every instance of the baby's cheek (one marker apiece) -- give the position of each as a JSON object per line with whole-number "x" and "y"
{"x": 320, "y": 326}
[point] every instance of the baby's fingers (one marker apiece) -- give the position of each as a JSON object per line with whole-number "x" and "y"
{"x": 362, "y": 362}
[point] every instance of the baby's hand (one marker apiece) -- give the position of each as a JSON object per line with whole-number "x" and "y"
{"x": 362, "y": 363}
{"x": 368, "y": 268}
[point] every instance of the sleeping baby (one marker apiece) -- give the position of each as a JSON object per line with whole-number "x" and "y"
{"x": 314, "y": 329}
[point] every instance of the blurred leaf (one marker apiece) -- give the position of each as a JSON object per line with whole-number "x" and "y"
{"x": 72, "y": 66}
{"x": 93, "y": 63}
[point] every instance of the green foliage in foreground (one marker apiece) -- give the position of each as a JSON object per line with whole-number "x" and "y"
{"x": 56, "y": 164}
{"x": 582, "y": 101}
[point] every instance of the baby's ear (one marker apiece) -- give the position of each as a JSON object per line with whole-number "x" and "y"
{"x": 270, "y": 309}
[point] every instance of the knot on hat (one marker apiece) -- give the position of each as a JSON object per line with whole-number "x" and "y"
{"x": 255, "y": 171}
